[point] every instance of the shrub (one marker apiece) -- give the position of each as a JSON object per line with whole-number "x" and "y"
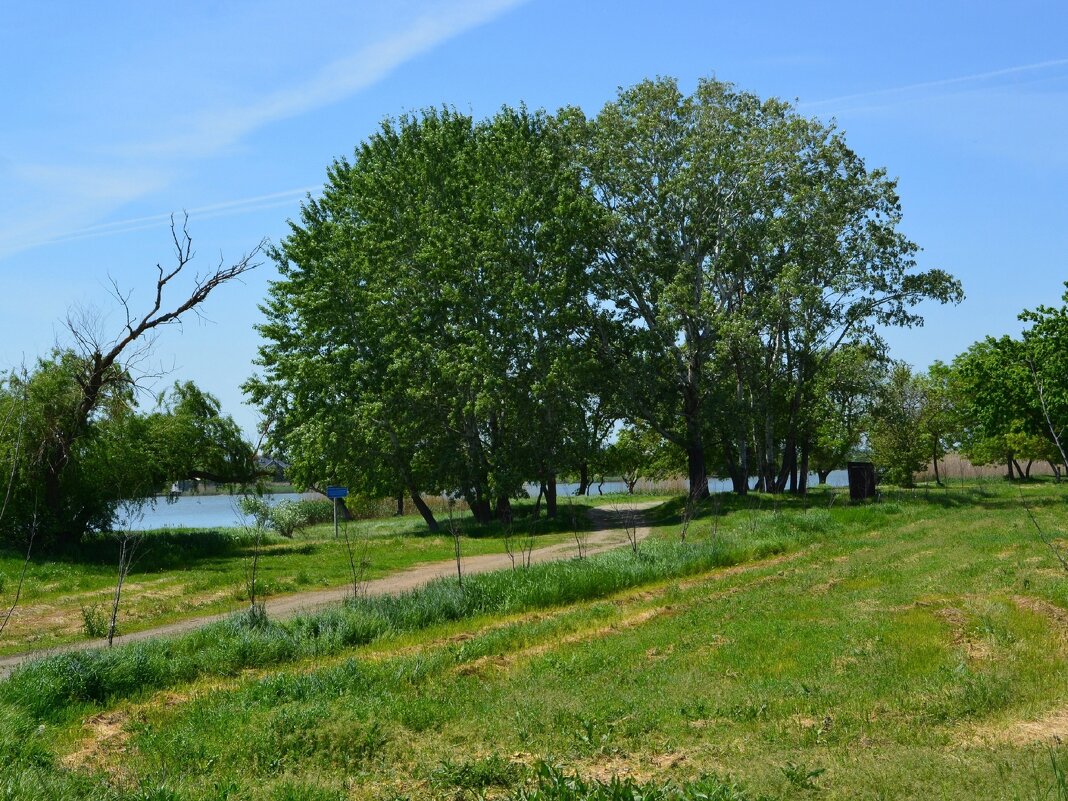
{"x": 286, "y": 517}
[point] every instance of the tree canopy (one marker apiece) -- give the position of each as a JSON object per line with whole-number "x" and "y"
{"x": 471, "y": 304}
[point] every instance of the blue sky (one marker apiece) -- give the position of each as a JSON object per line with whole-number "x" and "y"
{"x": 117, "y": 114}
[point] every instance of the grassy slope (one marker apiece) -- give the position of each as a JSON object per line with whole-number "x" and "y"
{"x": 914, "y": 649}
{"x": 186, "y": 573}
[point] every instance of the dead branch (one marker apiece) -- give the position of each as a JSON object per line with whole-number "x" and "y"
{"x": 105, "y": 358}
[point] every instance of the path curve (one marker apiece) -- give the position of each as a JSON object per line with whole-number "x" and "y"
{"x": 606, "y": 534}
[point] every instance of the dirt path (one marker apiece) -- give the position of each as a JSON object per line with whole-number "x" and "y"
{"x": 606, "y": 534}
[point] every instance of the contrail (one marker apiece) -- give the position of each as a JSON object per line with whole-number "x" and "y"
{"x": 226, "y": 208}
{"x": 979, "y": 76}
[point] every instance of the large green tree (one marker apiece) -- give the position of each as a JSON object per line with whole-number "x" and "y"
{"x": 747, "y": 244}
{"x": 427, "y": 328}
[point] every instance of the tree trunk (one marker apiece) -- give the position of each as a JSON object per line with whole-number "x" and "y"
{"x": 1019, "y": 470}
{"x": 938, "y": 478}
{"x": 400, "y": 504}
{"x": 1027, "y": 470}
{"x": 424, "y": 510}
{"x": 696, "y": 471}
{"x": 739, "y": 482}
{"x": 697, "y": 474}
{"x": 584, "y": 478}
{"x": 823, "y": 474}
{"x": 504, "y": 509}
{"x": 537, "y": 501}
{"x": 802, "y": 483}
{"x": 736, "y": 469}
{"x": 550, "y": 496}
{"x": 1008, "y": 463}
{"x": 481, "y": 510}
{"x": 788, "y": 470}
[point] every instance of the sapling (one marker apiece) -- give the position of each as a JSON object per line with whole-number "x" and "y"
{"x": 1045, "y": 413}
{"x": 359, "y": 562}
{"x": 689, "y": 511}
{"x": 509, "y": 545}
{"x": 713, "y": 524}
{"x": 253, "y": 508}
{"x": 526, "y": 545}
{"x": 455, "y": 531}
{"x": 581, "y": 535}
{"x": 629, "y": 520}
{"x": 129, "y": 540}
{"x": 22, "y": 574}
{"x": 1049, "y": 542}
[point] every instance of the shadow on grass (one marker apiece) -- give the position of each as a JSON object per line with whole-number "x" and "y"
{"x": 169, "y": 549}
{"x": 995, "y": 496}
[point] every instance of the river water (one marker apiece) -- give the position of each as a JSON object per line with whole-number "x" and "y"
{"x": 222, "y": 511}
{"x": 200, "y": 511}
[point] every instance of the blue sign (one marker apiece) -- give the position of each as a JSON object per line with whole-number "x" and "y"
{"x": 337, "y": 492}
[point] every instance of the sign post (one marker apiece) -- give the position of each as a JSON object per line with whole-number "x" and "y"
{"x": 334, "y": 493}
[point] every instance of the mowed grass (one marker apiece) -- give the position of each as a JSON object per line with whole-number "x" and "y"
{"x": 182, "y": 573}
{"x": 916, "y": 648}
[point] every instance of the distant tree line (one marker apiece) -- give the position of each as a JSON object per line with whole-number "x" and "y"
{"x": 1002, "y": 401}
{"x": 472, "y": 305}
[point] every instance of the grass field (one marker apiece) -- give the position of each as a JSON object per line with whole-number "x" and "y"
{"x": 913, "y": 648}
{"x": 185, "y": 573}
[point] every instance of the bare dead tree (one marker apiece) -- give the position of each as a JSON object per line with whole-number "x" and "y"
{"x": 108, "y": 364}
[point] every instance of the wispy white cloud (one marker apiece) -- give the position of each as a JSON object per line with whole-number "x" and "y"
{"x": 214, "y": 131}
{"x": 941, "y": 83}
{"x": 211, "y": 211}
{"x": 49, "y": 203}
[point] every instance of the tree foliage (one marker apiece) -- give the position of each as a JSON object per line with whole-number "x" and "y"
{"x": 425, "y": 334}
{"x": 899, "y": 439}
{"x": 747, "y": 245}
{"x": 474, "y": 305}
{"x": 119, "y": 455}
